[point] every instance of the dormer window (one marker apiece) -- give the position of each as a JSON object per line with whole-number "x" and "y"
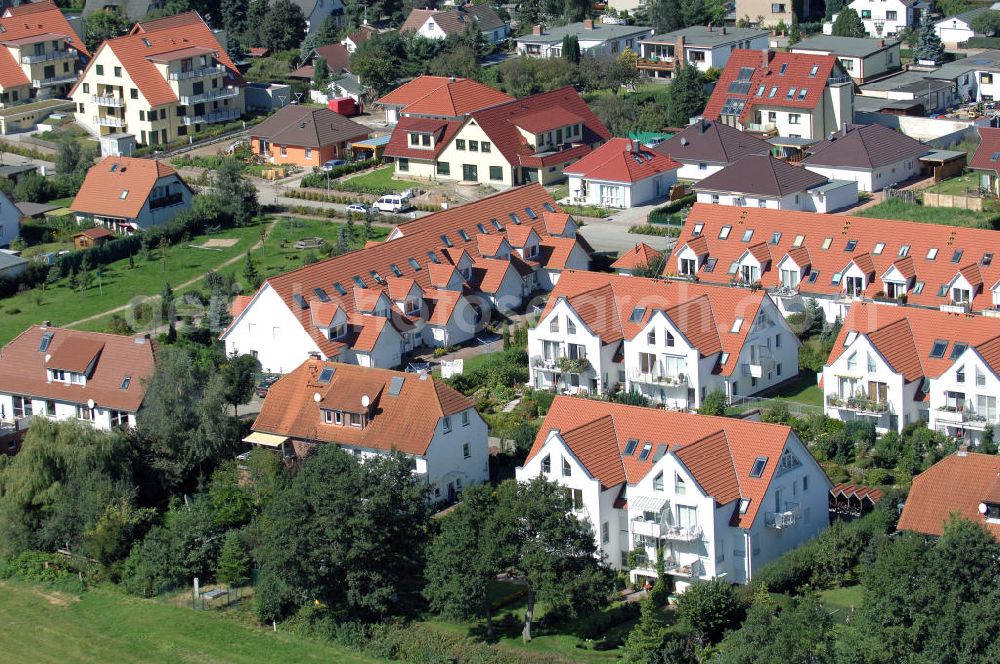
{"x": 337, "y": 331}
{"x": 531, "y": 250}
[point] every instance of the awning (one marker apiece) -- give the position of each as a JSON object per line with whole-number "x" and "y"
{"x": 267, "y": 439}
{"x": 646, "y": 503}
{"x": 942, "y": 156}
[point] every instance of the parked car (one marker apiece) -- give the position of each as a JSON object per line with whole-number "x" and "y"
{"x": 264, "y": 385}
{"x": 361, "y": 208}
{"x": 393, "y": 203}
{"x": 332, "y": 164}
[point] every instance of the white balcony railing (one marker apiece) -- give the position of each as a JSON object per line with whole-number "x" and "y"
{"x": 222, "y": 93}
{"x": 54, "y": 80}
{"x": 762, "y": 127}
{"x": 657, "y": 377}
{"x": 34, "y": 58}
{"x": 110, "y": 101}
{"x": 544, "y": 363}
{"x": 785, "y": 519}
{"x": 681, "y": 533}
{"x": 209, "y": 118}
{"x": 956, "y": 308}
{"x": 195, "y": 73}
{"x": 109, "y": 121}
{"x": 644, "y": 528}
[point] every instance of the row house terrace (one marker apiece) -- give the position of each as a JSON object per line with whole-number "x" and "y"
{"x": 672, "y": 341}
{"x": 839, "y": 260}
{"x": 897, "y": 365}
{"x": 368, "y": 412}
{"x": 721, "y": 496}
{"x": 433, "y": 282}
{"x": 40, "y": 54}
{"x": 165, "y": 79}
{"x": 65, "y": 374}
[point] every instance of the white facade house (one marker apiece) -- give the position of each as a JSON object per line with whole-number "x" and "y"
{"x": 723, "y": 497}
{"x": 621, "y": 174}
{"x": 704, "y": 47}
{"x": 957, "y": 29}
{"x": 864, "y": 59}
{"x": 433, "y": 282}
{"x": 595, "y": 39}
{"x": 895, "y": 366}
{"x": 673, "y": 342}
{"x": 368, "y": 412}
{"x": 65, "y": 374}
{"x": 704, "y": 148}
{"x": 439, "y": 24}
{"x": 10, "y": 221}
{"x": 873, "y": 156}
{"x": 887, "y": 18}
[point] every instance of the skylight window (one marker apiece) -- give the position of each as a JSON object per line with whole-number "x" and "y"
{"x": 904, "y": 250}
{"x": 747, "y": 235}
{"x": 799, "y": 239}
{"x": 646, "y": 449}
{"x": 43, "y": 345}
{"x": 760, "y": 91}
{"x": 513, "y": 217}
{"x": 957, "y": 349}
{"x": 697, "y": 229}
{"x": 126, "y": 381}
{"x": 637, "y": 314}
{"x": 377, "y": 277}
{"x": 413, "y": 263}
{"x": 774, "y": 91}
{"x": 943, "y": 290}
{"x": 325, "y": 376}
{"x": 724, "y": 232}
{"x": 395, "y": 270}
{"x": 496, "y": 224}
{"x": 813, "y": 276}
{"x": 813, "y": 71}
{"x": 661, "y": 449}
{"x": 359, "y": 281}
{"x": 879, "y": 248}
{"x": 957, "y": 256}
{"x": 851, "y": 245}
{"x": 918, "y": 288}
{"x": 710, "y": 264}
{"x": 548, "y": 206}
{"x": 321, "y": 294}
{"x": 146, "y": 42}
{"x": 995, "y": 156}
{"x": 299, "y": 300}
{"x": 784, "y": 66}
{"x": 482, "y": 229}
{"x": 124, "y": 194}
{"x": 630, "y": 446}
{"x": 724, "y": 358}
{"x": 531, "y": 213}
{"x": 849, "y": 339}
{"x": 434, "y": 258}
{"x": 802, "y": 93}
{"x": 339, "y": 288}
{"x": 836, "y": 278}
{"x": 775, "y": 237}
{"x": 758, "y": 466}
{"x": 938, "y": 349}
{"x": 987, "y": 259}
{"x": 826, "y": 243}
{"x": 790, "y": 93}
{"x": 446, "y": 240}
{"x": 734, "y": 267}
{"x": 462, "y": 234}
{"x": 932, "y": 253}
{"x": 737, "y": 325}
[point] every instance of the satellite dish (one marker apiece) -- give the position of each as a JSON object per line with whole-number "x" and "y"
{"x": 90, "y": 404}
{"x": 317, "y": 397}
{"x": 982, "y": 508}
{"x": 365, "y": 400}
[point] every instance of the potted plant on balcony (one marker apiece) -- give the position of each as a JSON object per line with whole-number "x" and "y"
{"x": 573, "y": 365}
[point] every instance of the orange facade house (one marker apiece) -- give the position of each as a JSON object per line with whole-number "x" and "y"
{"x": 305, "y": 137}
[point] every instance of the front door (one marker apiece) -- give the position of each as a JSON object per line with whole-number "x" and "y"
{"x": 470, "y": 173}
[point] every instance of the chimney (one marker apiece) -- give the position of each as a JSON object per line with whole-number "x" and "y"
{"x": 844, "y": 128}
{"x": 963, "y": 450}
{"x": 679, "y": 51}
{"x": 536, "y": 30}
{"x": 314, "y": 355}
{"x": 588, "y": 24}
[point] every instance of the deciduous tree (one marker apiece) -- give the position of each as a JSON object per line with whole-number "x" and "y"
{"x": 686, "y": 96}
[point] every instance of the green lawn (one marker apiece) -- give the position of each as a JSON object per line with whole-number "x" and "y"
{"x": 801, "y": 390}
{"x": 896, "y": 209}
{"x": 956, "y": 185}
{"x": 840, "y": 600}
{"x": 61, "y": 304}
{"x": 100, "y": 626}
{"x": 382, "y": 177}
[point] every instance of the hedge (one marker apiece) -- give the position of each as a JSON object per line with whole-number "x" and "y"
{"x": 661, "y": 230}
{"x": 319, "y": 179}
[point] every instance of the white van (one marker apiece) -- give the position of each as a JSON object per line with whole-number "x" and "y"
{"x": 393, "y": 203}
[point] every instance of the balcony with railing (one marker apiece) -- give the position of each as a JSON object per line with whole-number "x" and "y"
{"x": 196, "y": 73}
{"x": 35, "y": 58}
{"x": 681, "y": 533}
{"x": 784, "y": 519}
{"x": 860, "y": 405}
{"x": 109, "y": 121}
{"x": 110, "y": 101}
{"x": 209, "y": 118}
{"x": 166, "y": 201}
{"x": 643, "y": 528}
{"x": 964, "y": 414}
{"x": 211, "y": 95}
{"x": 783, "y": 291}
{"x": 761, "y": 127}
{"x": 956, "y": 307}
{"x": 658, "y": 376}
{"x": 692, "y": 570}
{"x": 53, "y": 80}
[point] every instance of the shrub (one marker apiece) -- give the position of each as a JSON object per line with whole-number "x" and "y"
{"x": 318, "y": 178}
{"x": 658, "y": 230}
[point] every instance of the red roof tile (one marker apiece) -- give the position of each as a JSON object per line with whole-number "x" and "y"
{"x": 444, "y": 96}
{"x": 640, "y": 255}
{"x": 987, "y": 154}
{"x": 25, "y": 24}
{"x": 106, "y": 181}
{"x": 956, "y": 483}
{"x": 618, "y": 161}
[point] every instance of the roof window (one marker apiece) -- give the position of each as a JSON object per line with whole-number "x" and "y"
{"x": 799, "y": 239}
{"x": 851, "y": 245}
{"x": 938, "y": 349}
{"x": 737, "y": 325}
{"x": 395, "y": 270}
{"x": 932, "y": 253}
{"x": 630, "y": 446}
{"x": 646, "y": 449}
{"x": 879, "y": 248}
{"x": 724, "y": 232}
{"x": 43, "y": 345}
{"x": 957, "y": 256}
{"x": 826, "y": 243}
{"x": 339, "y": 288}
{"x": 325, "y": 376}
{"x": 413, "y": 263}
{"x": 904, "y": 250}
{"x": 747, "y": 235}
{"x": 957, "y": 349}
{"x": 813, "y": 71}
{"x": 126, "y": 381}
{"x": 758, "y": 467}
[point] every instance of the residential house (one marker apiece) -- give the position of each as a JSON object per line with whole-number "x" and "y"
{"x": 912, "y": 92}
{"x": 671, "y": 341}
{"x": 338, "y": 61}
{"x": 369, "y": 412}
{"x": 596, "y": 39}
{"x": 506, "y": 144}
{"x": 305, "y": 136}
{"x": 963, "y": 483}
{"x": 317, "y": 11}
{"x": 437, "y": 97}
{"x": 706, "y": 147}
{"x": 640, "y": 257}
{"x": 40, "y": 54}
{"x": 897, "y": 365}
{"x": 438, "y": 24}
{"x": 352, "y": 40}
{"x": 873, "y": 155}
{"x": 91, "y": 237}
{"x": 621, "y": 174}
{"x": 433, "y": 282}
{"x": 766, "y": 12}
{"x": 11, "y": 264}
{"x": 165, "y": 79}
{"x": 795, "y": 95}
{"x": 704, "y": 47}
{"x": 838, "y": 260}
{"x": 864, "y": 59}
{"x": 721, "y": 496}
{"x": 763, "y": 181}
{"x": 127, "y": 194}
{"x": 888, "y": 18}
{"x": 986, "y": 159}
{"x": 10, "y": 221}
{"x": 65, "y": 374}
{"x": 957, "y": 29}
{"x": 972, "y": 79}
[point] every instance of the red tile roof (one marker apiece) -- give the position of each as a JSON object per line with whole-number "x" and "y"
{"x": 704, "y": 314}
{"x": 500, "y": 123}
{"x": 957, "y": 483}
{"x": 26, "y": 23}
{"x": 905, "y": 336}
{"x": 240, "y": 303}
{"x": 987, "y": 155}
{"x": 166, "y": 36}
{"x": 95, "y": 233}
{"x": 109, "y": 357}
{"x": 618, "y": 161}
{"x": 405, "y": 422}
{"x": 858, "y": 491}
{"x": 555, "y": 222}
{"x": 101, "y": 192}
{"x": 721, "y": 450}
{"x": 443, "y": 96}
{"x": 639, "y": 256}
{"x": 885, "y": 240}
{"x": 782, "y": 72}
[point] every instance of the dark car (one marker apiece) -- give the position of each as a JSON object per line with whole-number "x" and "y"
{"x": 264, "y": 385}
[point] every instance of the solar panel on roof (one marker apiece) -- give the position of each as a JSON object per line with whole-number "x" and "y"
{"x": 396, "y": 385}
{"x": 739, "y": 87}
{"x": 321, "y": 294}
{"x": 745, "y": 74}
{"x": 299, "y": 300}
